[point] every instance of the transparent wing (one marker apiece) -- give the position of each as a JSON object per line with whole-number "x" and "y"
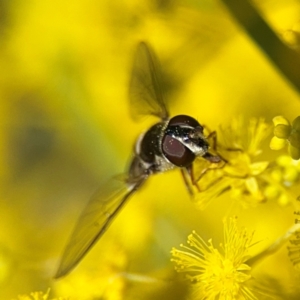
{"x": 145, "y": 90}
{"x": 94, "y": 221}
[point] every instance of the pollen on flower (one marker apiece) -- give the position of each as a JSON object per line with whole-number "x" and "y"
{"x": 217, "y": 274}
{"x": 242, "y": 175}
{"x": 248, "y": 180}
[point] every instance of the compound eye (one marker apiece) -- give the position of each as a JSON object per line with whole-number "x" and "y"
{"x": 184, "y": 120}
{"x": 176, "y": 152}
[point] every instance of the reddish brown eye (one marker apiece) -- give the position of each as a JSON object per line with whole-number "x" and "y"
{"x": 184, "y": 120}
{"x": 176, "y": 152}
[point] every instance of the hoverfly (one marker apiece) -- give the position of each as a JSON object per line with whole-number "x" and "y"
{"x": 170, "y": 143}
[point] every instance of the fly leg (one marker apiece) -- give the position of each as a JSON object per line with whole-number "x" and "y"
{"x": 189, "y": 179}
{"x": 214, "y": 158}
{"x": 191, "y": 182}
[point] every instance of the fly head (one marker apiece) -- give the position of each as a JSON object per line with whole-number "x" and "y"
{"x": 183, "y": 141}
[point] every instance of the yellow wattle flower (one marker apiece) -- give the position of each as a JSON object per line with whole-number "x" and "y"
{"x": 217, "y": 274}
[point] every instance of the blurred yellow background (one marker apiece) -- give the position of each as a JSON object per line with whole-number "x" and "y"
{"x": 65, "y": 129}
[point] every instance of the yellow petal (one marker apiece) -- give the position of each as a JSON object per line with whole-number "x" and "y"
{"x": 277, "y": 144}
{"x": 252, "y": 186}
{"x": 258, "y": 167}
{"x": 280, "y": 120}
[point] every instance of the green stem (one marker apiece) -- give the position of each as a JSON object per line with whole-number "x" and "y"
{"x": 284, "y": 58}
